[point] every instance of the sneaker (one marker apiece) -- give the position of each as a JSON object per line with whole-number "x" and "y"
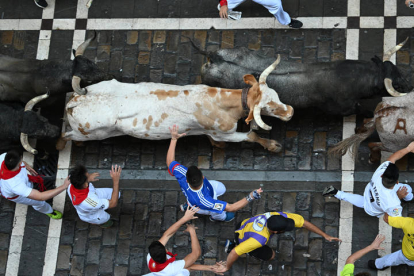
{"x": 371, "y": 264}
{"x": 183, "y": 207}
{"x": 229, "y": 246}
{"x": 107, "y": 224}
{"x": 295, "y": 24}
{"x": 55, "y": 215}
{"x": 329, "y": 191}
{"x": 229, "y": 217}
{"x": 41, "y": 3}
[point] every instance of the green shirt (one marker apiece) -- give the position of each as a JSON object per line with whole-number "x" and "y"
{"x": 348, "y": 270}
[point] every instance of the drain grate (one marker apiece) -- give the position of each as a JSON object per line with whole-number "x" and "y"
{"x": 47, "y": 168}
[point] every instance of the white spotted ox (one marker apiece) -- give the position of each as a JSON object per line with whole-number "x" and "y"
{"x": 393, "y": 119}
{"x": 147, "y": 110}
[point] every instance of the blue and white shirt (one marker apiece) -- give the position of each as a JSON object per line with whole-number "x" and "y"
{"x": 204, "y": 197}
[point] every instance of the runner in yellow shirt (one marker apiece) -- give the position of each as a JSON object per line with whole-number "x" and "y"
{"x": 404, "y": 255}
{"x": 252, "y": 235}
{"x": 349, "y": 266}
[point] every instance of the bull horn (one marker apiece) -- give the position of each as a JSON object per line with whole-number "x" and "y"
{"x": 35, "y": 100}
{"x": 391, "y": 90}
{"x": 76, "y": 86}
{"x": 268, "y": 70}
{"x": 25, "y": 143}
{"x": 81, "y": 49}
{"x": 258, "y": 119}
{"x": 390, "y": 52}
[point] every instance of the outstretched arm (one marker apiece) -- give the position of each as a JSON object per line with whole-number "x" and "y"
{"x": 191, "y": 258}
{"x": 407, "y": 3}
{"x": 173, "y": 144}
{"x": 401, "y": 153}
{"x": 375, "y": 245}
{"x": 243, "y": 202}
{"x": 313, "y": 228}
{"x": 43, "y": 196}
{"x": 189, "y": 215}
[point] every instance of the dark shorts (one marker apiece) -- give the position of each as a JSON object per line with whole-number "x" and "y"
{"x": 263, "y": 253}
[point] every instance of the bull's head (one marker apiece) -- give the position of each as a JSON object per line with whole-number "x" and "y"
{"x": 36, "y": 126}
{"x": 85, "y": 69}
{"x": 264, "y": 100}
{"x": 393, "y": 78}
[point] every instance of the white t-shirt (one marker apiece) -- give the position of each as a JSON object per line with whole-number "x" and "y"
{"x": 16, "y": 186}
{"x": 93, "y": 207}
{"x": 173, "y": 269}
{"x": 380, "y": 200}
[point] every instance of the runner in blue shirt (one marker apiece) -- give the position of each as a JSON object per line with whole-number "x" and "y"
{"x": 201, "y": 192}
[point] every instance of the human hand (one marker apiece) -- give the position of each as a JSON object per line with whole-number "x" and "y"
{"x": 407, "y": 3}
{"x": 256, "y": 193}
{"x": 375, "y": 245}
{"x": 115, "y": 173}
{"x": 223, "y": 11}
{"x": 402, "y": 192}
{"x": 190, "y": 228}
{"x": 174, "y": 132}
{"x": 329, "y": 238}
{"x": 189, "y": 214}
{"x": 66, "y": 182}
{"x": 220, "y": 268}
{"x": 93, "y": 177}
{"x": 30, "y": 169}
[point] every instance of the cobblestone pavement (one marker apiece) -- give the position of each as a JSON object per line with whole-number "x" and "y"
{"x": 144, "y": 215}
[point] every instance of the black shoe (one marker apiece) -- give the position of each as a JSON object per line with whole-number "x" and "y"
{"x": 41, "y": 3}
{"x": 371, "y": 264}
{"x": 229, "y": 246}
{"x": 330, "y": 191}
{"x": 295, "y": 24}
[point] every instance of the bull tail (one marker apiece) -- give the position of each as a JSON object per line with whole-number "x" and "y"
{"x": 352, "y": 143}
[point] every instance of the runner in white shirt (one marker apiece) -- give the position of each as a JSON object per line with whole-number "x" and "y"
{"x": 383, "y": 193}
{"x": 16, "y": 186}
{"x": 163, "y": 263}
{"x": 91, "y": 202}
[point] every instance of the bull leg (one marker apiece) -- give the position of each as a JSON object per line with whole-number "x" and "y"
{"x": 216, "y": 144}
{"x": 61, "y": 143}
{"x": 375, "y": 155}
{"x": 271, "y": 145}
{"x": 363, "y": 128}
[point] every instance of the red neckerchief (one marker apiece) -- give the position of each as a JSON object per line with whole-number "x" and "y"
{"x": 156, "y": 267}
{"x": 5, "y": 173}
{"x": 78, "y": 195}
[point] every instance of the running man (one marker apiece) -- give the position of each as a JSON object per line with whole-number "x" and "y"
{"x": 253, "y": 234}
{"x": 383, "y": 193}
{"x": 90, "y": 202}
{"x": 201, "y": 192}
{"x": 17, "y": 186}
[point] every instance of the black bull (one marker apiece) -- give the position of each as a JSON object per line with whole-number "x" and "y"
{"x": 22, "y": 80}
{"x": 334, "y": 87}
{"x": 14, "y": 121}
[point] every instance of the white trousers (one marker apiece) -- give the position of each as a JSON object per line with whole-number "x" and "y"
{"x": 40, "y": 206}
{"x": 101, "y": 216}
{"x": 219, "y": 189}
{"x": 393, "y": 259}
{"x": 358, "y": 200}
{"x": 273, "y": 6}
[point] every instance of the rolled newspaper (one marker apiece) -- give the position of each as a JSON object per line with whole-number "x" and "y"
{"x": 89, "y": 3}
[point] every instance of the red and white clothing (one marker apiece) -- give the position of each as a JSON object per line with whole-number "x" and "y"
{"x": 175, "y": 268}
{"x": 273, "y": 6}
{"x": 91, "y": 203}
{"x": 18, "y": 188}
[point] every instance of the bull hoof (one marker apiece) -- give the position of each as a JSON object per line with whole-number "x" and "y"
{"x": 79, "y": 143}
{"x": 61, "y": 144}
{"x": 220, "y": 145}
{"x": 274, "y": 146}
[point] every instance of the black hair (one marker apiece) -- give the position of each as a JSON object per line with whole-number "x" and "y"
{"x": 78, "y": 177}
{"x": 280, "y": 223}
{"x": 157, "y": 252}
{"x": 13, "y": 159}
{"x": 194, "y": 177}
{"x": 390, "y": 176}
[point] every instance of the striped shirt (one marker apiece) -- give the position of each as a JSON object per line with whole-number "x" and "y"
{"x": 204, "y": 197}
